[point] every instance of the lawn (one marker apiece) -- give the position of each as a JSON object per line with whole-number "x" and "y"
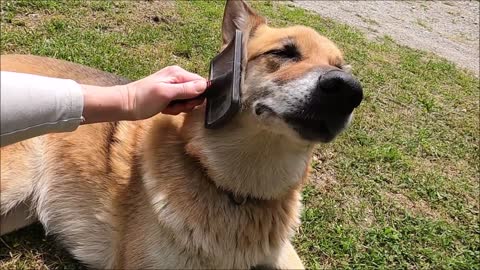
{"x": 398, "y": 190}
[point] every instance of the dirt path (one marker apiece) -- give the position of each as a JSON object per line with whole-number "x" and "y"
{"x": 448, "y": 28}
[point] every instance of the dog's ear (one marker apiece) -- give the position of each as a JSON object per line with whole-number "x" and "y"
{"x": 238, "y": 15}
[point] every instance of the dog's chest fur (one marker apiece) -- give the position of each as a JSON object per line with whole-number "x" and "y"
{"x": 183, "y": 217}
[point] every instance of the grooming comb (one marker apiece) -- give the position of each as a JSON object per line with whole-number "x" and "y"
{"x": 223, "y": 90}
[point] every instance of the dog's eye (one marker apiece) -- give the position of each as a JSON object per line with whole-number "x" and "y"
{"x": 289, "y": 51}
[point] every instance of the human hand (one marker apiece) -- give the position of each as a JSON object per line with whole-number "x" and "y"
{"x": 151, "y": 95}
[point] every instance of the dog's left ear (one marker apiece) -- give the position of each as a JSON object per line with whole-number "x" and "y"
{"x": 238, "y": 15}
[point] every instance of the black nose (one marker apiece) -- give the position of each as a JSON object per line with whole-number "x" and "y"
{"x": 338, "y": 91}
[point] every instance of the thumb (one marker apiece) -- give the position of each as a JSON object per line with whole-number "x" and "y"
{"x": 189, "y": 89}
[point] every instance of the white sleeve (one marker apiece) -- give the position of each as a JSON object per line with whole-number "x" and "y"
{"x": 34, "y": 105}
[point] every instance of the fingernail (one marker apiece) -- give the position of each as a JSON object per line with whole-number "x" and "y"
{"x": 200, "y": 86}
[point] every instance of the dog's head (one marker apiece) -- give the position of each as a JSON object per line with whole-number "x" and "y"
{"x": 295, "y": 80}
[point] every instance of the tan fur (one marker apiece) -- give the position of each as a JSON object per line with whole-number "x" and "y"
{"x": 320, "y": 50}
{"x": 157, "y": 193}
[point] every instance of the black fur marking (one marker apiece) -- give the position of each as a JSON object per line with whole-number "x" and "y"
{"x": 273, "y": 65}
{"x": 289, "y": 51}
{"x": 110, "y": 141}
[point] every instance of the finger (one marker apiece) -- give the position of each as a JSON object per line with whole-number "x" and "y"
{"x": 186, "y": 90}
{"x": 191, "y": 105}
{"x": 186, "y": 76}
{"x": 180, "y": 75}
{"x": 183, "y": 107}
{"x": 188, "y": 107}
{"x": 174, "y": 110}
{"x": 196, "y": 102}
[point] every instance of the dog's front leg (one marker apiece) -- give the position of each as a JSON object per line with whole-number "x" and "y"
{"x": 287, "y": 258}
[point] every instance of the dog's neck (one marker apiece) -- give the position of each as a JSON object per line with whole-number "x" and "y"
{"x": 246, "y": 160}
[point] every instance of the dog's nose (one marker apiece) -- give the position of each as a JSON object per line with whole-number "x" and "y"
{"x": 339, "y": 91}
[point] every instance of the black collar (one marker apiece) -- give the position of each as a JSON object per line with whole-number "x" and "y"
{"x": 234, "y": 198}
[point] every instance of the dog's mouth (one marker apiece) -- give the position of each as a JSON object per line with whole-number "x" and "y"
{"x": 309, "y": 126}
{"x": 261, "y": 109}
{"x": 317, "y": 127}
{"x": 310, "y": 129}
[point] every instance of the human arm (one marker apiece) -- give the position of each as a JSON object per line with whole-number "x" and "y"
{"x": 35, "y": 105}
{"x": 143, "y": 98}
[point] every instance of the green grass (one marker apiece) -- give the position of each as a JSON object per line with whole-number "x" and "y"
{"x": 398, "y": 190}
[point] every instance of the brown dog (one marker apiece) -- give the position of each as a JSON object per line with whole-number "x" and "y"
{"x": 168, "y": 193}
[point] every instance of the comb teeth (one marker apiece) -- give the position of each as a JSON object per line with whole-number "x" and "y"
{"x": 217, "y": 85}
{"x": 209, "y": 83}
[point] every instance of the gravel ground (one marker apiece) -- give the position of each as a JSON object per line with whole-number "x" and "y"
{"x": 447, "y": 28}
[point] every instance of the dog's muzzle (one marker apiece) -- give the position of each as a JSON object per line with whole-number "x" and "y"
{"x": 329, "y": 108}
{"x": 337, "y": 92}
